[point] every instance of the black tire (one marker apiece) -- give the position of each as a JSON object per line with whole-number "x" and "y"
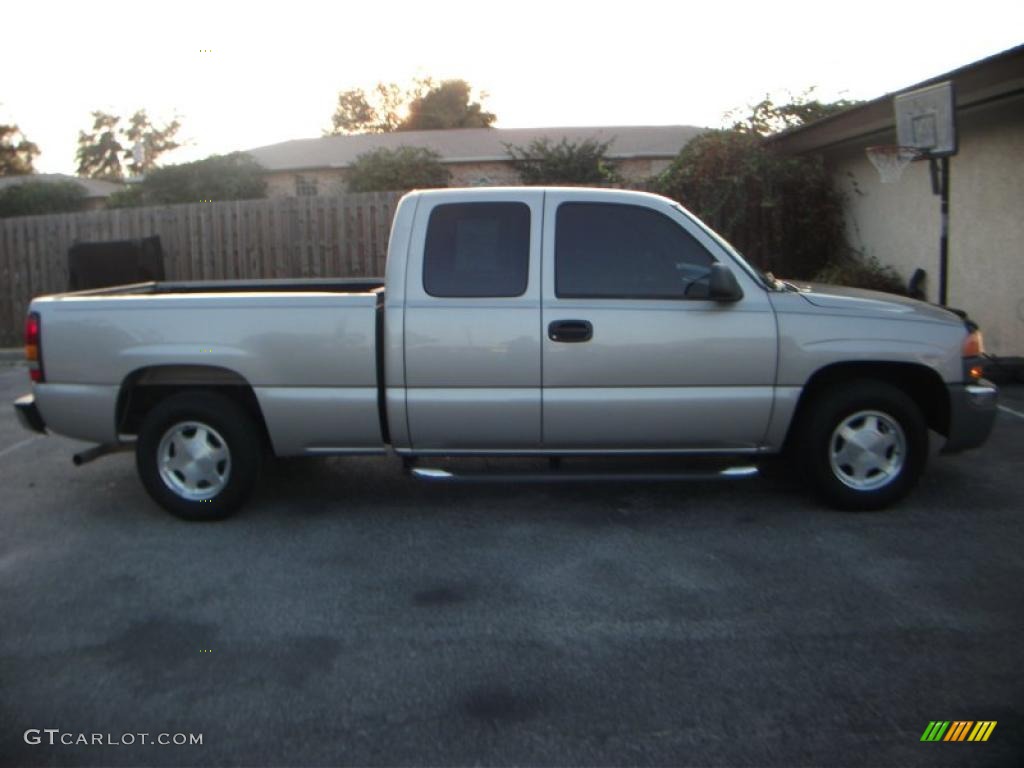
{"x": 223, "y": 426}
{"x": 858, "y": 479}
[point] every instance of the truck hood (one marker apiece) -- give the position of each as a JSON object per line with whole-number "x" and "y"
{"x": 873, "y": 303}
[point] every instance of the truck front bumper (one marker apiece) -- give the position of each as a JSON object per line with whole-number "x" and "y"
{"x": 972, "y": 414}
{"x": 28, "y": 414}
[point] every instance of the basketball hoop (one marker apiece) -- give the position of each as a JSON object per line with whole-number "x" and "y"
{"x": 890, "y": 160}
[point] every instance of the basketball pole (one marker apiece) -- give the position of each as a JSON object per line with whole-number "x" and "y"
{"x": 939, "y": 168}
{"x": 926, "y": 123}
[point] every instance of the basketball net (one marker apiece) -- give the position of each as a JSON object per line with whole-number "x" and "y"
{"x": 890, "y": 160}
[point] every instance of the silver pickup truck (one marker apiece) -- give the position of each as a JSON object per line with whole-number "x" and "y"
{"x": 512, "y": 322}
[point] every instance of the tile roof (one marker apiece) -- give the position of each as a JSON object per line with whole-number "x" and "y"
{"x": 470, "y": 144}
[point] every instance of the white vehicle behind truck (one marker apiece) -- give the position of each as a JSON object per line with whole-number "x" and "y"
{"x": 541, "y": 322}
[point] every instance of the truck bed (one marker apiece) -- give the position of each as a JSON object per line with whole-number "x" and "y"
{"x": 307, "y": 348}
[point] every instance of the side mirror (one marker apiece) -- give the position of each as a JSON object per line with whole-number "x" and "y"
{"x": 722, "y": 284}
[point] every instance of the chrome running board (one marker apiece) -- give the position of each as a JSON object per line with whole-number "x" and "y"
{"x": 433, "y": 474}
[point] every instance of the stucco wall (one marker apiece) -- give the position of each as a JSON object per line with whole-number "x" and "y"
{"x": 899, "y": 223}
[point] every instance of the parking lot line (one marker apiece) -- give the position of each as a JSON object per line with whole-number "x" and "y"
{"x": 1018, "y": 414}
{"x": 16, "y": 446}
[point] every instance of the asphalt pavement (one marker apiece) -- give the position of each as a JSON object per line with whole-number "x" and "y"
{"x": 352, "y": 616}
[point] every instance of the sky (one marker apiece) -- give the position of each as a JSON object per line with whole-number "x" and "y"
{"x": 243, "y": 75}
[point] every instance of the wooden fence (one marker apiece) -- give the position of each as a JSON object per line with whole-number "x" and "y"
{"x": 344, "y": 236}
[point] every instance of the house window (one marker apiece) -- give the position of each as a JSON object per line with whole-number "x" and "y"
{"x": 305, "y": 187}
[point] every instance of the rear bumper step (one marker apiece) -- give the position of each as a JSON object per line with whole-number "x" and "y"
{"x": 567, "y": 476}
{"x": 28, "y": 414}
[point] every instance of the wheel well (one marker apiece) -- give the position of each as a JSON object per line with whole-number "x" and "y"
{"x": 922, "y": 384}
{"x": 143, "y": 389}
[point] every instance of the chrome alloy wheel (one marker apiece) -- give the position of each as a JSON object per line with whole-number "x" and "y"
{"x": 194, "y": 460}
{"x": 867, "y": 450}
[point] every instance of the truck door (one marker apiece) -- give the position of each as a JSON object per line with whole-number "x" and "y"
{"x": 635, "y": 356}
{"x": 472, "y": 322}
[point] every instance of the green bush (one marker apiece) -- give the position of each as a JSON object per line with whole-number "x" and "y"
{"x": 128, "y": 197}
{"x": 387, "y": 170}
{"x": 869, "y": 273}
{"x": 33, "y": 198}
{"x": 782, "y": 212}
{"x": 219, "y": 177}
{"x": 567, "y": 162}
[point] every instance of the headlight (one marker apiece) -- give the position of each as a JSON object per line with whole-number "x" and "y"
{"x": 974, "y": 344}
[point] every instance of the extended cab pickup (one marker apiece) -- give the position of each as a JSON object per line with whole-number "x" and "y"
{"x": 520, "y": 321}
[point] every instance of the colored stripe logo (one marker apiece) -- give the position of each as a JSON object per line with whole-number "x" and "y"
{"x": 958, "y": 730}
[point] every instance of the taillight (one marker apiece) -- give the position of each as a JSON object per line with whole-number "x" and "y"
{"x": 33, "y": 346}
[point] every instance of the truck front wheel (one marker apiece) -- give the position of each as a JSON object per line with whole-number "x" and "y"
{"x": 864, "y": 444}
{"x": 198, "y": 455}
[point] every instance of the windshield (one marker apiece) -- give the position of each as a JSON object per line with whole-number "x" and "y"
{"x": 766, "y": 280}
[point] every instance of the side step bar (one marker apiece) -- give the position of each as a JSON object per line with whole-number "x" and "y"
{"x": 566, "y": 476}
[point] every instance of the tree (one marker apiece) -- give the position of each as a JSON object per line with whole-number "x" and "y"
{"x": 766, "y": 117}
{"x": 426, "y": 105}
{"x": 396, "y": 169}
{"x": 784, "y": 213}
{"x": 447, "y": 105}
{"x": 16, "y": 152}
{"x": 153, "y": 140}
{"x": 354, "y": 114}
{"x": 219, "y": 177}
{"x": 32, "y": 198}
{"x": 100, "y": 151}
{"x": 583, "y": 162}
{"x": 359, "y": 113}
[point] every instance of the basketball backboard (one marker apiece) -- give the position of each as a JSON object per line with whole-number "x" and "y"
{"x": 926, "y": 119}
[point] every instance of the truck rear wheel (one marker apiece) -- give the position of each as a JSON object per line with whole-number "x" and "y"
{"x": 865, "y": 445}
{"x": 198, "y": 455}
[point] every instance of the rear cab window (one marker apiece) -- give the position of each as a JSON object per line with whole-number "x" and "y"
{"x": 477, "y": 250}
